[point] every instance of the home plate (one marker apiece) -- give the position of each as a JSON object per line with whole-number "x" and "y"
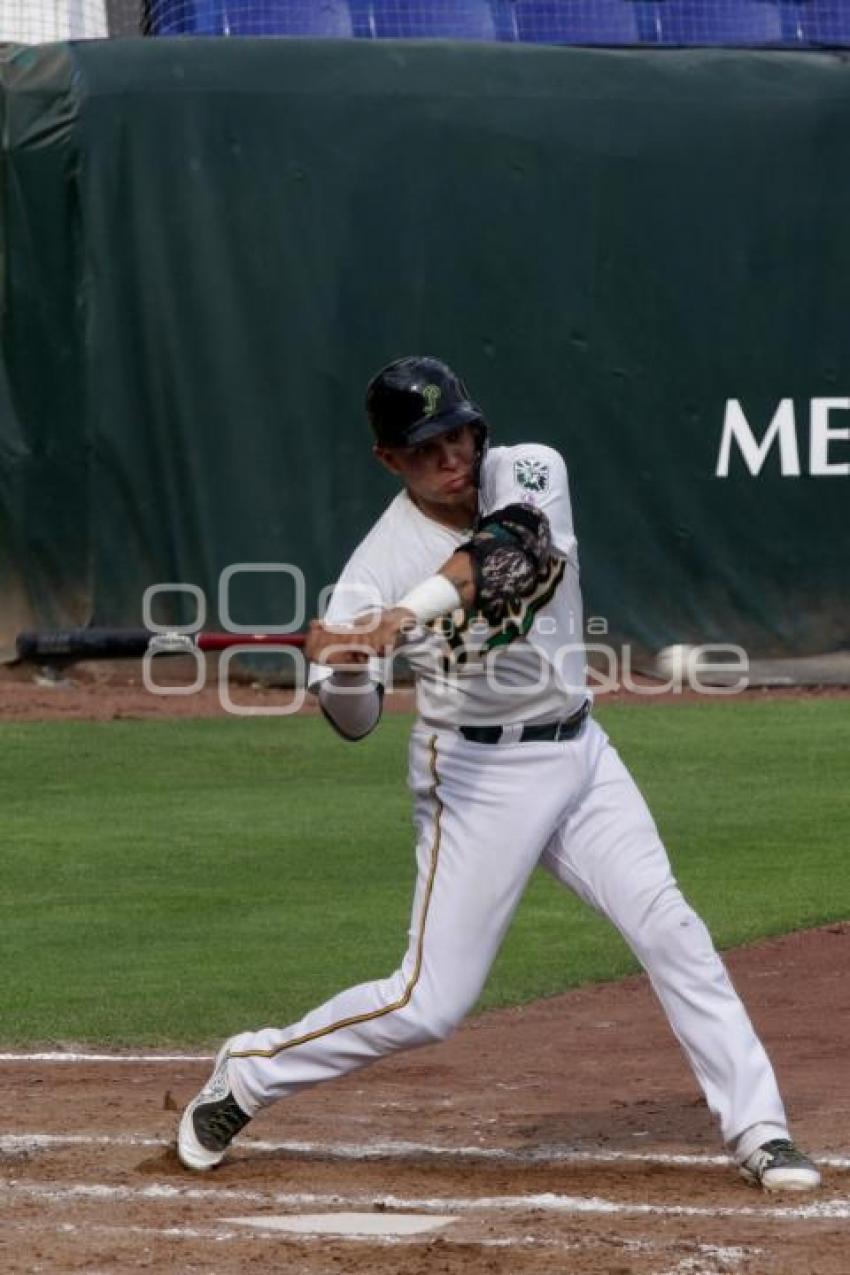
{"x": 380, "y": 1224}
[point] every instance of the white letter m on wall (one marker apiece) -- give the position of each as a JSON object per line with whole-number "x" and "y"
{"x": 736, "y": 426}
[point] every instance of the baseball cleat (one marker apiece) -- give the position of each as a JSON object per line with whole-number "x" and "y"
{"x": 779, "y": 1166}
{"x": 211, "y": 1121}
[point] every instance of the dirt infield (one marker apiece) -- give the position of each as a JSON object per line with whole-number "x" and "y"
{"x": 110, "y": 690}
{"x": 566, "y": 1136}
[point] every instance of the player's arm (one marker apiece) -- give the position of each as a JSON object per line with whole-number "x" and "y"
{"x": 350, "y": 696}
{"x": 347, "y": 647}
{"x": 534, "y": 476}
{"x": 347, "y": 684}
{"x": 530, "y": 522}
{"x": 501, "y": 563}
{"x": 510, "y": 555}
{"x": 342, "y": 652}
{"x": 351, "y": 702}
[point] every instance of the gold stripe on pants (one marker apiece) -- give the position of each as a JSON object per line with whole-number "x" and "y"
{"x": 414, "y": 978}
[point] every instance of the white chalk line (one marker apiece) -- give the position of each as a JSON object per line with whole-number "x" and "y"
{"x": 546, "y": 1202}
{"x": 15, "y": 1143}
{"x": 20, "y": 1143}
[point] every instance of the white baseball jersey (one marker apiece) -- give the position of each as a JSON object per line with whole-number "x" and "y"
{"x": 529, "y": 669}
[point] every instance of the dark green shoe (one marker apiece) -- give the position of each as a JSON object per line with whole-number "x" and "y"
{"x": 778, "y": 1166}
{"x": 211, "y": 1120}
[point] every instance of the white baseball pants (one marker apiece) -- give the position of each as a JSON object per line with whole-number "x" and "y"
{"x": 485, "y": 815}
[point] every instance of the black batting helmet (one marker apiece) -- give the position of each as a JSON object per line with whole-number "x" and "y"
{"x": 417, "y": 398}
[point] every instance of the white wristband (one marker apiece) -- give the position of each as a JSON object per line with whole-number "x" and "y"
{"x": 434, "y": 596}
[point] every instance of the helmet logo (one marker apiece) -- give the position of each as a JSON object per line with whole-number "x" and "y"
{"x": 431, "y": 395}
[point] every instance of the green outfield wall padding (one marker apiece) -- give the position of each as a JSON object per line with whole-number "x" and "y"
{"x": 640, "y": 257}
{"x": 46, "y": 550}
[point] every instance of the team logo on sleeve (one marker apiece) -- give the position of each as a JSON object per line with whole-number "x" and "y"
{"x": 532, "y": 474}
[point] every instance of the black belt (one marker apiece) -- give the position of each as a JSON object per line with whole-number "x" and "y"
{"x": 567, "y": 728}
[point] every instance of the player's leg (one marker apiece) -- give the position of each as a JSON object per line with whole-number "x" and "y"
{"x": 477, "y": 843}
{"x": 483, "y": 815}
{"x": 609, "y": 852}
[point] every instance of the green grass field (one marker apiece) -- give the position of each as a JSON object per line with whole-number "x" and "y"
{"x": 171, "y": 881}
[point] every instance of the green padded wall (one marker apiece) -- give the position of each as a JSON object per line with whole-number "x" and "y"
{"x": 209, "y": 246}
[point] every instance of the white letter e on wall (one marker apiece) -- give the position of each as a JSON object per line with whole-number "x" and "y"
{"x": 821, "y": 435}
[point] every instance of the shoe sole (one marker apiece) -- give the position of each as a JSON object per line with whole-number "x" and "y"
{"x": 790, "y": 1181}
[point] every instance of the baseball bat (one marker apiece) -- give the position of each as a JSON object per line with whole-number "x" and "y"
{"x": 115, "y": 644}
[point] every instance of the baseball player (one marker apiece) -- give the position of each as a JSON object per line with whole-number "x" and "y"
{"x": 473, "y": 569}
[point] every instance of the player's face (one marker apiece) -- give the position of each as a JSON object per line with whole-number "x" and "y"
{"x": 438, "y": 472}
